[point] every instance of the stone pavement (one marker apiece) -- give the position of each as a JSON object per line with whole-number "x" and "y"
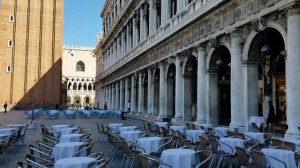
{"x": 18, "y": 117}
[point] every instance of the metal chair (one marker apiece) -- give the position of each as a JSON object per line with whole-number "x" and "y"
{"x": 205, "y": 159}
{"x": 147, "y": 161}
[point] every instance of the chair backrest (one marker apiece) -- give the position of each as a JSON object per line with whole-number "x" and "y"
{"x": 214, "y": 145}
{"x": 230, "y": 134}
{"x": 20, "y": 164}
{"x": 239, "y": 135}
{"x": 205, "y": 159}
{"x": 147, "y": 161}
{"x": 267, "y": 140}
{"x": 277, "y": 142}
{"x": 242, "y": 156}
{"x": 253, "y": 144}
{"x": 193, "y": 126}
{"x": 103, "y": 162}
{"x": 259, "y": 158}
{"x": 24, "y": 129}
{"x": 202, "y": 143}
{"x": 188, "y": 125}
{"x": 290, "y": 144}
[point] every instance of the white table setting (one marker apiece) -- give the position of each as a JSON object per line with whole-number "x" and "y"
{"x": 193, "y": 135}
{"x": 178, "y": 158}
{"x": 67, "y": 149}
{"x": 150, "y": 144}
{"x": 221, "y": 131}
{"x": 67, "y": 130}
{"x": 179, "y": 128}
{"x": 76, "y": 162}
{"x": 162, "y": 124}
{"x": 56, "y": 128}
{"x": 127, "y": 128}
{"x": 71, "y": 138}
{"x": 232, "y": 142}
{"x": 115, "y": 126}
{"x": 286, "y": 156}
{"x": 7, "y": 130}
{"x": 257, "y": 120}
{"x": 131, "y": 136}
{"x": 255, "y": 135}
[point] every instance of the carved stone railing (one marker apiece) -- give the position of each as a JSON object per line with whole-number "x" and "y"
{"x": 180, "y": 20}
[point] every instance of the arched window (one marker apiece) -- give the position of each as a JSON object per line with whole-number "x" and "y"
{"x": 80, "y": 66}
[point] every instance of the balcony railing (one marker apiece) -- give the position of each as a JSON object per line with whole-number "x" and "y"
{"x": 192, "y": 11}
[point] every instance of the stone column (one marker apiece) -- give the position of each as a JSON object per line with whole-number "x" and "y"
{"x": 121, "y": 95}
{"x": 127, "y": 44}
{"x": 162, "y": 95}
{"x": 126, "y": 95}
{"x": 150, "y": 93}
{"x": 292, "y": 72}
{"x": 212, "y": 97}
{"x": 140, "y": 94}
{"x": 250, "y": 108}
{"x": 142, "y": 22}
{"x": 117, "y": 103}
{"x": 113, "y": 98}
{"x": 132, "y": 97}
{"x": 237, "y": 115}
{"x": 178, "y": 89}
{"x": 201, "y": 86}
{"x": 110, "y": 97}
{"x": 134, "y": 33}
{"x": 164, "y": 10}
{"x": 151, "y": 17}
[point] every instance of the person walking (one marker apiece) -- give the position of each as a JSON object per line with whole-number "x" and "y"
{"x": 5, "y": 106}
{"x": 128, "y": 105}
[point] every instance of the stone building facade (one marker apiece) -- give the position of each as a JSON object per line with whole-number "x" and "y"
{"x": 79, "y": 71}
{"x": 30, "y": 51}
{"x": 202, "y": 61}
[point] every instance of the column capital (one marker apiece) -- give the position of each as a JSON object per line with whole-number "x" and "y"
{"x": 236, "y": 34}
{"x": 200, "y": 47}
{"x": 293, "y": 10}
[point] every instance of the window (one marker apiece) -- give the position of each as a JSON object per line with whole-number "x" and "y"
{"x": 80, "y": 66}
{"x": 11, "y": 18}
{"x": 9, "y": 43}
{"x": 8, "y": 68}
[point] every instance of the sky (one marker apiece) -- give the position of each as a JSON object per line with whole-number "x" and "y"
{"x": 82, "y": 21}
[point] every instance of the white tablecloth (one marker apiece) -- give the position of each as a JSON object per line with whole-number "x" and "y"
{"x": 66, "y": 150}
{"x": 295, "y": 141}
{"x": 150, "y": 144}
{"x": 131, "y": 136}
{"x": 258, "y": 120}
{"x": 283, "y": 155}
{"x": 127, "y": 128}
{"x": 207, "y": 125}
{"x": 7, "y": 130}
{"x": 179, "y": 128}
{"x": 256, "y": 135}
{"x": 76, "y": 162}
{"x": 2, "y": 136}
{"x": 178, "y": 158}
{"x": 233, "y": 142}
{"x": 67, "y": 130}
{"x": 161, "y": 124}
{"x": 221, "y": 131}
{"x": 57, "y": 127}
{"x": 17, "y": 126}
{"x": 115, "y": 126}
{"x": 70, "y": 138}
{"x": 194, "y": 134}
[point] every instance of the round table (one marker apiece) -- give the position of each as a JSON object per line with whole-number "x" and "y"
{"x": 127, "y": 128}
{"x": 2, "y": 136}
{"x": 67, "y": 130}
{"x": 66, "y": 150}
{"x": 57, "y": 127}
{"x": 7, "y": 130}
{"x": 232, "y": 142}
{"x": 193, "y": 135}
{"x": 221, "y": 131}
{"x": 256, "y": 135}
{"x": 257, "y": 120}
{"x": 70, "y": 138}
{"x": 286, "y": 156}
{"x": 162, "y": 124}
{"x": 131, "y": 136}
{"x": 115, "y": 126}
{"x": 150, "y": 144}
{"x": 179, "y": 128}
{"x": 76, "y": 162}
{"x": 178, "y": 158}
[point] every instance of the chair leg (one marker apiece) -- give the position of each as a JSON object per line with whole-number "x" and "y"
{"x": 122, "y": 161}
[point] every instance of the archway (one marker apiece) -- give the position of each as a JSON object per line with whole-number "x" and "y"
{"x": 190, "y": 89}
{"x": 220, "y": 64}
{"x": 268, "y": 48}
{"x": 156, "y": 92}
{"x": 77, "y": 101}
{"x": 171, "y": 91}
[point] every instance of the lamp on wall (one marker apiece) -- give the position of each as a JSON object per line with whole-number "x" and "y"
{"x": 265, "y": 50}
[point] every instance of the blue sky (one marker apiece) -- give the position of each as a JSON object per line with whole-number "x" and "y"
{"x": 82, "y": 21}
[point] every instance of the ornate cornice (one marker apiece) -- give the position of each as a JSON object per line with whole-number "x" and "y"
{"x": 293, "y": 10}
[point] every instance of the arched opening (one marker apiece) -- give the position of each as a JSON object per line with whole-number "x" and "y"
{"x": 190, "y": 89}
{"x": 84, "y": 87}
{"x": 69, "y": 86}
{"x": 145, "y": 89}
{"x": 75, "y": 86}
{"x": 69, "y": 100}
{"x": 80, "y": 66}
{"x": 171, "y": 91}
{"x": 79, "y": 86}
{"x": 77, "y": 102}
{"x": 90, "y": 87}
{"x": 156, "y": 92}
{"x": 87, "y": 100}
{"x": 136, "y": 93}
{"x": 220, "y": 64}
{"x": 268, "y": 49}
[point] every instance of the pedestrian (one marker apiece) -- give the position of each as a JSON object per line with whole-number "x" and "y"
{"x": 271, "y": 117}
{"x": 5, "y": 106}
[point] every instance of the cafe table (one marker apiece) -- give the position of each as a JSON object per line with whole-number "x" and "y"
{"x": 67, "y": 149}
{"x": 71, "y": 138}
{"x": 76, "y": 162}
{"x": 178, "y": 158}
{"x": 150, "y": 144}
{"x": 232, "y": 142}
{"x": 193, "y": 135}
{"x": 257, "y": 120}
{"x": 131, "y": 136}
{"x": 162, "y": 124}
{"x": 179, "y": 128}
{"x": 127, "y": 128}
{"x": 286, "y": 156}
{"x": 115, "y": 126}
